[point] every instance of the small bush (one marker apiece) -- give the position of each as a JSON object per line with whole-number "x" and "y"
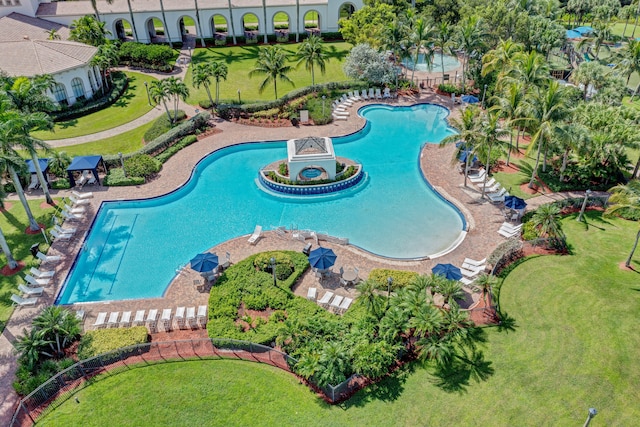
{"x": 116, "y": 178}
{"x": 161, "y": 126}
{"x": 283, "y": 169}
{"x": 142, "y": 165}
{"x": 169, "y": 152}
{"x": 60, "y": 184}
{"x": 284, "y": 264}
{"x": 529, "y": 231}
{"x": 400, "y": 278}
{"x": 101, "y": 341}
{"x": 152, "y": 56}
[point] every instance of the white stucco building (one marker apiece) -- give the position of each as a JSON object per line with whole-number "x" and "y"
{"x": 27, "y": 49}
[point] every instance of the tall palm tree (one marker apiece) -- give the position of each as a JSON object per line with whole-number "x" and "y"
{"x": 202, "y": 43}
{"x": 164, "y": 23}
{"x": 233, "y": 28}
{"x": 37, "y": 121}
{"x": 509, "y": 104}
{"x": 177, "y": 90}
{"x": 491, "y": 136}
{"x": 264, "y": 15}
{"x": 312, "y": 52}
{"x": 201, "y": 76}
{"x": 297, "y": 21}
{"x": 628, "y": 61}
{"x": 469, "y": 38}
{"x": 219, "y": 71}
{"x": 589, "y": 74}
{"x": 88, "y": 30}
{"x": 442, "y": 40}
{"x": 626, "y": 198}
{"x": 133, "y": 22}
{"x": 422, "y": 33}
{"x": 271, "y": 62}
{"x": 500, "y": 58}
{"x": 467, "y": 127}
{"x": 598, "y": 39}
{"x": 11, "y": 261}
{"x": 486, "y": 282}
{"x": 529, "y": 68}
{"x": 544, "y": 112}
{"x": 159, "y": 92}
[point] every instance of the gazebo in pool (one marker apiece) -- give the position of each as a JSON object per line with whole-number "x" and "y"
{"x": 82, "y": 163}
{"x": 311, "y": 157}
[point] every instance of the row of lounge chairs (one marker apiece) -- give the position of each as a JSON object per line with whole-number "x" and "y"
{"x": 336, "y": 303}
{"x": 185, "y": 317}
{"x": 493, "y": 190}
{"x": 509, "y": 230}
{"x": 347, "y": 100}
{"x": 470, "y": 270}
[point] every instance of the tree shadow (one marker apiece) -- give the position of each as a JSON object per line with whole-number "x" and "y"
{"x": 507, "y": 323}
{"x": 125, "y": 98}
{"x": 386, "y": 390}
{"x": 67, "y": 124}
{"x": 456, "y": 375}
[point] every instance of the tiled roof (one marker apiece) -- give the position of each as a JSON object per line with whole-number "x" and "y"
{"x": 16, "y": 26}
{"x": 31, "y": 57}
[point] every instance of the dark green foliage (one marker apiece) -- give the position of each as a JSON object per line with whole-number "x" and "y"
{"x": 152, "y": 56}
{"x": 529, "y": 231}
{"x": 116, "y": 178}
{"x": 101, "y": 341}
{"x": 60, "y": 184}
{"x": 169, "y": 152}
{"x": 27, "y": 381}
{"x": 142, "y": 165}
{"x": 401, "y": 278}
{"x": 99, "y": 102}
{"x": 283, "y": 169}
{"x": 162, "y": 125}
{"x": 350, "y": 171}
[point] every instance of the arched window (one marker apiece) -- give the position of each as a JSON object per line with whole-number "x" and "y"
{"x": 60, "y": 94}
{"x": 78, "y": 88}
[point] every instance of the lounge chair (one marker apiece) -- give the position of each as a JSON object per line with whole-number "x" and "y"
{"x": 166, "y": 319}
{"x": 34, "y": 184}
{"x": 335, "y": 303}
{"x": 490, "y": 182}
{"x": 80, "y": 315}
{"x": 338, "y": 117}
{"x": 479, "y": 175}
{"x": 470, "y": 273}
{"x": 125, "y": 320}
{"x": 76, "y": 201}
{"x": 497, "y": 197}
{"x": 371, "y": 94}
{"x": 364, "y": 95}
{"x": 113, "y": 319}
{"x": 65, "y": 230}
{"x": 354, "y": 97}
{"x": 326, "y": 298}
{"x": 479, "y": 180}
{"x": 312, "y": 294}
{"x": 227, "y": 261}
{"x": 83, "y": 179}
{"x": 378, "y": 93}
{"x": 179, "y": 317}
{"x": 88, "y": 195}
{"x": 497, "y": 194}
{"x": 59, "y": 236}
{"x": 30, "y": 291}
{"x": 257, "y": 232}
{"x": 92, "y": 180}
{"x": 47, "y": 258}
{"x": 39, "y": 274}
{"x": 509, "y": 233}
{"x": 71, "y": 216}
{"x": 509, "y": 226}
{"x": 152, "y": 319}
{"x": 346, "y": 303}
{"x": 474, "y": 262}
{"x": 387, "y": 93}
{"x": 139, "y": 319}
{"x": 493, "y": 189}
{"x": 345, "y": 100}
{"x": 36, "y": 282}
{"x": 23, "y": 301}
{"x": 100, "y": 320}
{"x": 191, "y": 317}
{"x": 78, "y": 210}
{"x": 473, "y": 267}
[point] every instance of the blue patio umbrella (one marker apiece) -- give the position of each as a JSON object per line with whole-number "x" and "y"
{"x": 584, "y": 31}
{"x": 322, "y": 258}
{"x": 572, "y": 34}
{"x": 204, "y": 262}
{"x": 513, "y": 202}
{"x": 449, "y": 271}
{"x": 464, "y": 155}
{"x": 470, "y": 99}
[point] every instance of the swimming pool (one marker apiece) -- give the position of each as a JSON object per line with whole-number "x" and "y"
{"x": 135, "y": 247}
{"x": 450, "y": 63}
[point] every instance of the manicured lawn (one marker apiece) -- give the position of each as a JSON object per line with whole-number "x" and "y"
{"x": 131, "y": 105}
{"x": 124, "y": 143}
{"x": 570, "y": 343}
{"x": 13, "y": 223}
{"x": 241, "y": 60}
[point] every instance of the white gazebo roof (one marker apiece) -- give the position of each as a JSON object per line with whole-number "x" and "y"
{"x": 309, "y": 149}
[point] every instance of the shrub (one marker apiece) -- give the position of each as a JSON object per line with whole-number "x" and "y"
{"x": 284, "y": 264}
{"x": 169, "y": 152}
{"x": 101, "y": 341}
{"x": 162, "y": 125}
{"x": 116, "y": 178}
{"x": 400, "y": 278}
{"x": 142, "y": 165}
{"x": 283, "y": 169}
{"x": 60, "y": 184}
{"x": 28, "y": 381}
{"x": 153, "y": 56}
{"x": 348, "y": 173}
{"x": 529, "y": 231}
{"x": 505, "y": 254}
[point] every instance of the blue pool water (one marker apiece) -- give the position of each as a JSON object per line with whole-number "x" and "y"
{"x": 135, "y": 247}
{"x": 311, "y": 173}
{"x": 450, "y": 63}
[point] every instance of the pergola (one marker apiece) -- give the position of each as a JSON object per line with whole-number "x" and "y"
{"x": 44, "y": 167}
{"x": 82, "y": 163}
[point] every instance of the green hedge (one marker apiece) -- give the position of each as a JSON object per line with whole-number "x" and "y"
{"x": 60, "y": 184}
{"x": 162, "y": 125}
{"x": 99, "y": 102}
{"x": 351, "y": 170}
{"x": 116, "y": 178}
{"x": 169, "y": 152}
{"x": 401, "y": 278}
{"x": 101, "y": 341}
{"x": 153, "y": 56}
{"x": 142, "y": 165}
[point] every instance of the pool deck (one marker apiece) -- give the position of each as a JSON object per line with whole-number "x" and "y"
{"x": 483, "y": 218}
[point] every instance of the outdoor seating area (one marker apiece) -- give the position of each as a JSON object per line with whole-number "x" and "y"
{"x": 347, "y": 100}
{"x": 467, "y": 274}
{"x": 184, "y": 318}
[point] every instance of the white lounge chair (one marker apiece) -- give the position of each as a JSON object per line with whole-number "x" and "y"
{"x": 35, "y": 183}
{"x": 312, "y": 294}
{"x": 479, "y": 175}
{"x": 36, "y": 282}
{"x": 497, "y": 197}
{"x": 113, "y": 319}
{"x": 371, "y": 93}
{"x": 386, "y": 93}
{"x": 179, "y": 317}
{"x": 38, "y": 274}
{"x": 509, "y": 226}
{"x": 364, "y": 95}
{"x": 335, "y": 303}
{"x": 470, "y": 273}
{"x": 202, "y": 315}
{"x": 346, "y": 303}
{"x": 191, "y": 317}
{"x": 125, "y": 321}
{"x": 473, "y": 267}
{"x": 474, "y": 262}
{"x": 354, "y": 97}
{"x": 326, "y": 298}
{"x": 166, "y": 319}
{"x": 139, "y": 319}
{"x": 490, "y": 182}
{"x": 257, "y": 232}
{"x": 152, "y": 320}
{"x": 509, "y": 233}
{"x": 71, "y": 216}
{"x": 65, "y": 230}
{"x": 92, "y": 180}
{"x": 227, "y": 261}
{"x": 47, "y": 258}
{"x": 77, "y": 201}
{"x": 83, "y": 179}
{"x": 59, "y": 236}
{"x": 100, "y": 320}
{"x": 88, "y": 195}
{"x": 345, "y": 100}
{"x": 23, "y": 301}
{"x": 78, "y": 210}
{"x": 338, "y": 117}
{"x": 378, "y": 93}
{"x": 30, "y": 291}
{"x": 478, "y": 180}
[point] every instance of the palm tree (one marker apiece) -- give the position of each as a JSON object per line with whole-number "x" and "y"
{"x": 164, "y": 24}
{"x": 486, "y": 282}
{"x": 133, "y": 22}
{"x": 334, "y": 364}
{"x": 310, "y": 53}
{"x": 628, "y": 61}
{"x": 89, "y": 31}
{"x": 159, "y": 92}
{"x": 626, "y": 13}
{"x": 201, "y": 76}
{"x": 442, "y": 40}
{"x": 30, "y": 346}
{"x": 467, "y": 126}
{"x": 219, "y": 71}
{"x": 531, "y": 69}
{"x": 177, "y": 89}
{"x": 601, "y": 34}
{"x": 469, "y": 38}
{"x": 233, "y": 29}
{"x": 544, "y": 111}
{"x": 509, "y": 104}
{"x": 59, "y": 161}
{"x": 370, "y": 297}
{"x": 500, "y": 58}
{"x": 626, "y": 198}
{"x": 57, "y": 325}
{"x": 547, "y": 220}
{"x": 264, "y": 15}
{"x": 271, "y": 62}
{"x": 492, "y": 136}
{"x": 94, "y": 5}
{"x": 11, "y": 261}
{"x": 570, "y": 138}
{"x": 421, "y": 36}
{"x": 589, "y": 73}
{"x": 426, "y": 321}
{"x": 450, "y": 291}
{"x": 52, "y": 34}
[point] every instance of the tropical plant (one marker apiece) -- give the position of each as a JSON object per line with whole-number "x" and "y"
{"x": 589, "y": 74}
{"x": 311, "y": 53}
{"x": 546, "y": 220}
{"x": 499, "y": 59}
{"x": 94, "y": 5}
{"x": 30, "y": 347}
{"x": 177, "y": 89}
{"x": 450, "y": 291}
{"x": 271, "y": 63}
{"x": 509, "y": 105}
{"x": 370, "y": 298}
{"x": 59, "y": 161}
{"x": 164, "y": 24}
{"x": 421, "y": 37}
{"x": 626, "y": 199}
{"x": 88, "y": 30}
{"x": 159, "y": 92}
{"x": 366, "y": 63}
{"x": 58, "y": 326}
{"x": 442, "y": 40}
{"x": 467, "y": 138}
{"x": 628, "y": 61}
{"x": 201, "y": 76}
{"x": 491, "y": 135}
{"x": 486, "y": 282}
{"x": 469, "y": 38}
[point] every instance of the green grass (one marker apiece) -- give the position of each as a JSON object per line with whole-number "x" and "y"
{"x": 570, "y": 343}
{"x": 131, "y": 105}
{"x": 13, "y": 223}
{"x": 241, "y": 60}
{"x": 123, "y": 143}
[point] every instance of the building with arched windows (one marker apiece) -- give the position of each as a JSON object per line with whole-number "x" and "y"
{"x": 31, "y": 46}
